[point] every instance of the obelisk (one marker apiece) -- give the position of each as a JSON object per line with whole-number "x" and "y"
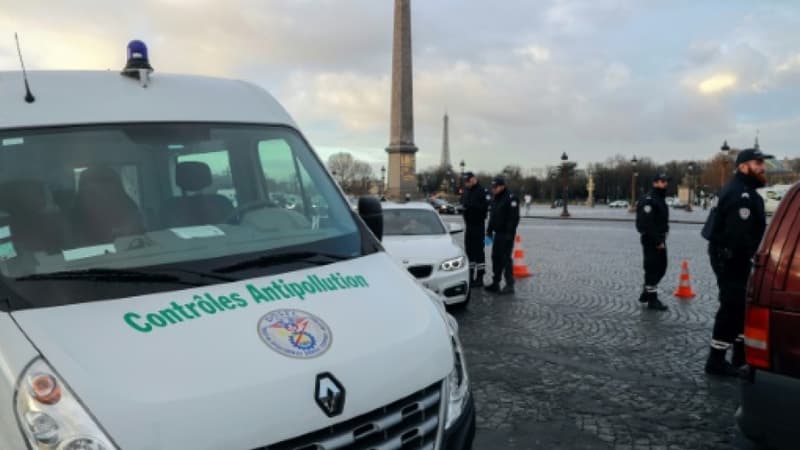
{"x": 444, "y": 163}
{"x": 402, "y": 151}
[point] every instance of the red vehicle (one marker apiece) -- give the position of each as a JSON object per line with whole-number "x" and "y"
{"x": 770, "y": 393}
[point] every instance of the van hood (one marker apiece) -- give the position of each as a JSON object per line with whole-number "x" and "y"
{"x": 222, "y": 380}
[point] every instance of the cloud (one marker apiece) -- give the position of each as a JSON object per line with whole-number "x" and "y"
{"x": 717, "y": 83}
{"x": 616, "y": 76}
{"x": 535, "y": 53}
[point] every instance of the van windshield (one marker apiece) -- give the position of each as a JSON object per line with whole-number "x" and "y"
{"x": 196, "y": 197}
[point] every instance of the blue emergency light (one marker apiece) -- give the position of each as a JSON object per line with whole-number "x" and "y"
{"x": 138, "y": 66}
{"x": 137, "y": 57}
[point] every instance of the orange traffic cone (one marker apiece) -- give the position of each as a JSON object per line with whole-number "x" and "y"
{"x": 684, "y": 290}
{"x": 520, "y": 270}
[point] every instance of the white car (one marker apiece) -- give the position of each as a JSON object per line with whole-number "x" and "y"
{"x": 772, "y": 196}
{"x": 143, "y": 310}
{"x": 417, "y": 238}
{"x": 619, "y": 204}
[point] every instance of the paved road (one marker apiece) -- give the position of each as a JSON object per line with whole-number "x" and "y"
{"x": 573, "y": 361}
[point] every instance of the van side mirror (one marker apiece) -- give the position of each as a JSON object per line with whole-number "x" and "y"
{"x": 456, "y": 228}
{"x": 371, "y": 212}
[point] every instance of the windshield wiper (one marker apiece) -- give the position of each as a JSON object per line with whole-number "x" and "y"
{"x": 110, "y": 275}
{"x": 311, "y": 258}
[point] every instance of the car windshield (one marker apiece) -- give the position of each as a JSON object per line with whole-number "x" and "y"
{"x": 411, "y": 222}
{"x": 189, "y": 197}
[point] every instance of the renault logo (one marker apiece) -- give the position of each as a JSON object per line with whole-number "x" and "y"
{"x": 329, "y": 395}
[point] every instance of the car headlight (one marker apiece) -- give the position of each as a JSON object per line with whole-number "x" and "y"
{"x": 457, "y": 381}
{"x": 50, "y": 415}
{"x": 452, "y": 264}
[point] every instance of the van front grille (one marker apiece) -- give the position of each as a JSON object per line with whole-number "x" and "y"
{"x": 410, "y": 423}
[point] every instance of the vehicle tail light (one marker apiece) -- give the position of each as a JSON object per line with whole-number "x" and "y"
{"x": 756, "y": 337}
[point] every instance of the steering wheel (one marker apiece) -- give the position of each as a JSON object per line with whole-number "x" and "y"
{"x": 235, "y": 217}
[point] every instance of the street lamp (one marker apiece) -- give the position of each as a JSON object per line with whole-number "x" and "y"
{"x": 690, "y": 170}
{"x": 632, "y": 207}
{"x": 725, "y": 157}
{"x": 383, "y": 179}
{"x": 565, "y": 180}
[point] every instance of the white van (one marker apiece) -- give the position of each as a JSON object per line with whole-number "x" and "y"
{"x": 155, "y": 295}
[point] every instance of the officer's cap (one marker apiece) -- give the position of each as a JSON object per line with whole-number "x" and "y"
{"x": 751, "y": 154}
{"x": 499, "y": 181}
{"x": 661, "y": 176}
{"x": 468, "y": 175}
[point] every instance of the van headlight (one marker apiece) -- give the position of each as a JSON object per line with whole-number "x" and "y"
{"x": 450, "y": 265}
{"x": 50, "y": 415}
{"x": 457, "y": 381}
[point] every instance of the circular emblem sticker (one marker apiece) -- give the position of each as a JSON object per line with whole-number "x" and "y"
{"x": 648, "y": 209}
{"x": 295, "y": 333}
{"x": 744, "y": 213}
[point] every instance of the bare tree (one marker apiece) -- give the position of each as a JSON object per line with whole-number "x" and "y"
{"x": 353, "y": 175}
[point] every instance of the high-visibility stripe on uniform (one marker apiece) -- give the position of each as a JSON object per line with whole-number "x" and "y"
{"x": 720, "y": 345}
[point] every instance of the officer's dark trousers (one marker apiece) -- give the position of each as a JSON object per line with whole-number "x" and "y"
{"x": 655, "y": 263}
{"x": 474, "y": 245}
{"x": 732, "y": 274}
{"x": 501, "y": 258}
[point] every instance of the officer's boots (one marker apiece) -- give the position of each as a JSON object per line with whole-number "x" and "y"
{"x": 718, "y": 365}
{"x": 478, "y": 281}
{"x": 738, "y": 359}
{"x": 494, "y": 287}
{"x": 508, "y": 289}
{"x": 651, "y": 298}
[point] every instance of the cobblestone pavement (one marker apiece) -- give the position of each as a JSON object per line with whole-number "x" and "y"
{"x": 604, "y": 212}
{"x": 573, "y": 361}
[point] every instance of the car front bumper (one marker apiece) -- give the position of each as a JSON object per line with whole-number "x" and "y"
{"x": 462, "y": 433}
{"x": 768, "y": 409}
{"x": 451, "y": 287}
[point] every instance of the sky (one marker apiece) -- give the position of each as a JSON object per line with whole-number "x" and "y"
{"x": 522, "y": 80}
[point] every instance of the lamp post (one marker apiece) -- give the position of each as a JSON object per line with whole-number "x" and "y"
{"x": 383, "y": 179}
{"x": 725, "y": 156}
{"x": 565, "y": 180}
{"x": 690, "y": 171}
{"x": 632, "y": 207}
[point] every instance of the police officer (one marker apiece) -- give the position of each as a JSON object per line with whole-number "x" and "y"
{"x": 475, "y": 201}
{"x": 734, "y": 231}
{"x": 652, "y": 223}
{"x": 503, "y": 222}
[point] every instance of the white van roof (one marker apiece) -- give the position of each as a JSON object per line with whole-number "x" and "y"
{"x": 83, "y": 97}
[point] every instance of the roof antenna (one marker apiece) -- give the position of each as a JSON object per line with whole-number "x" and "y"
{"x": 29, "y": 98}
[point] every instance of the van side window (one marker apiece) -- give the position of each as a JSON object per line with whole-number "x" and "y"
{"x": 284, "y": 185}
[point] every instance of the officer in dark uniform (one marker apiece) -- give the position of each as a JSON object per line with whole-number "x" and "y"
{"x": 475, "y": 201}
{"x": 652, "y": 223}
{"x": 734, "y": 231}
{"x": 503, "y": 222}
